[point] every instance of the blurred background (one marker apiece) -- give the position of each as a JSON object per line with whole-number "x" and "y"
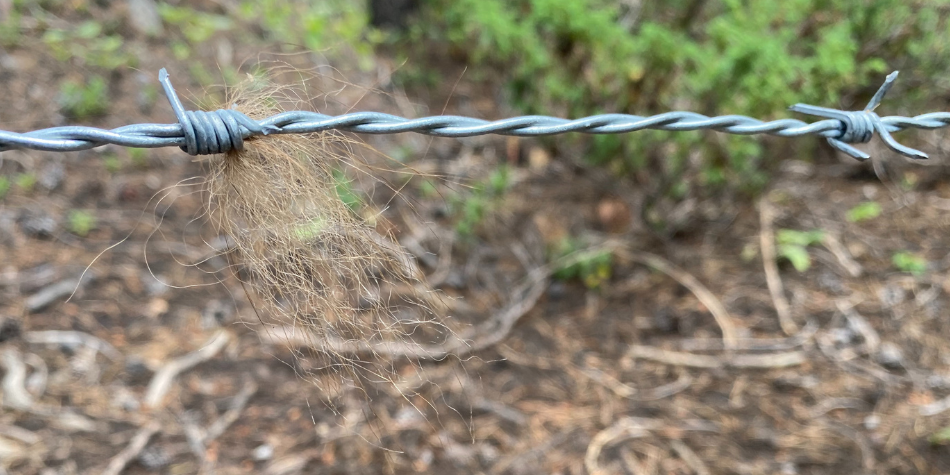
{"x": 664, "y": 302}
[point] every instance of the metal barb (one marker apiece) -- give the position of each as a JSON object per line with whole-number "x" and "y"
{"x": 859, "y": 126}
{"x": 224, "y": 130}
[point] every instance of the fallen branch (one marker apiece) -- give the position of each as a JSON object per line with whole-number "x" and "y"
{"x": 626, "y": 428}
{"x": 15, "y": 395}
{"x": 841, "y": 253}
{"x": 723, "y": 319}
{"x": 487, "y": 334}
{"x": 233, "y": 413}
{"x": 164, "y": 377}
{"x": 73, "y": 339}
{"x": 674, "y": 358}
{"x": 138, "y": 442}
{"x": 689, "y": 457}
{"x": 51, "y": 293}
{"x": 753, "y": 344}
{"x": 679, "y": 358}
{"x": 767, "y": 360}
{"x": 772, "y": 277}
{"x": 637, "y": 427}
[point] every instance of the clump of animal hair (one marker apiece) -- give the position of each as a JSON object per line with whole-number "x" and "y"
{"x": 309, "y": 262}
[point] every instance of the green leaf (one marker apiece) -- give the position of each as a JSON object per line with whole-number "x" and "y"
{"x": 864, "y": 211}
{"x": 81, "y": 222}
{"x": 940, "y": 437}
{"x": 797, "y": 255}
{"x": 909, "y": 262}
{"x": 799, "y": 238}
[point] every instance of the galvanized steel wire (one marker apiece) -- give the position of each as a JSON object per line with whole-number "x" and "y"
{"x": 220, "y": 131}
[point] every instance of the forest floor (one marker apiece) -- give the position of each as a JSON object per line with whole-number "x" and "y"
{"x": 684, "y": 354}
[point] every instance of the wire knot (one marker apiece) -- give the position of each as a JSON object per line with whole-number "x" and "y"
{"x": 209, "y": 133}
{"x": 859, "y": 126}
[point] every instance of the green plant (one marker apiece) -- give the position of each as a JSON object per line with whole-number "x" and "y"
{"x": 909, "y": 262}
{"x": 346, "y": 192}
{"x": 84, "y": 100}
{"x": 81, "y": 222}
{"x": 793, "y": 246}
{"x": 4, "y": 186}
{"x": 196, "y": 26}
{"x": 139, "y": 157}
{"x": 329, "y": 26}
{"x": 592, "y": 268}
{"x": 941, "y": 437}
{"x": 10, "y": 34}
{"x": 111, "y": 162}
{"x": 864, "y": 211}
{"x": 87, "y": 42}
{"x": 581, "y": 57}
{"x": 470, "y": 209}
{"x": 26, "y": 181}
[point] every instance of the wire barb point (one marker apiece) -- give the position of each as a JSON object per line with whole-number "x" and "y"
{"x": 859, "y": 126}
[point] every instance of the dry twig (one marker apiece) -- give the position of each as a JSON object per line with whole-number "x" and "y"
{"x": 487, "y": 334}
{"x": 73, "y": 339}
{"x": 689, "y": 457}
{"x": 138, "y": 442}
{"x": 679, "y": 358}
{"x": 626, "y": 428}
{"x": 772, "y": 277}
{"x": 841, "y": 253}
{"x": 15, "y": 394}
{"x": 723, "y": 319}
{"x": 164, "y": 377}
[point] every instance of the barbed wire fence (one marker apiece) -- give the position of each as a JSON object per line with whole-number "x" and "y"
{"x": 224, "y": 130}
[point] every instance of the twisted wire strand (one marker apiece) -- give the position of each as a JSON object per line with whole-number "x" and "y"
{"x": 212, "y": 132}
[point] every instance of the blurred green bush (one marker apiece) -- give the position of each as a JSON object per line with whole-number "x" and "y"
{"x": 756, "y": 58}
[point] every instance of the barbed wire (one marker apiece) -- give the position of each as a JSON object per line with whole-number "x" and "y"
{"x": 220, "y": 131}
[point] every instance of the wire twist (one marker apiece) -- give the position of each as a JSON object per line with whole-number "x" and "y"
{"x": 224, "y": 130}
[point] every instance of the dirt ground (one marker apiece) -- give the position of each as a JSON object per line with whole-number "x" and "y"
{"x": 692, "y": 357}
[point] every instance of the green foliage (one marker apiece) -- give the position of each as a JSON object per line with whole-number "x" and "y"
{"x": 84, "y": 100}
{"x": 583, "y": 57}
{"x": 25, "y": 181}
{"x": 111, "y": 162}
{"x": 471, "y": 208}
{"x": 864, "y": 211}
{"x": 81, "y": 222}
{"x": 10, "y": 34}
{"x": 793, "y": 246}
{"x": 4, "y": 186}
{"x": 346, "y": 192}
{"x": 196, "y": 26}
{"x": 941, "y": 437}
{"x": 139, "y": 157}
{"x": 909, "y": 262}
{"x": 322, "y": 26}
{"x": 592, "y": 268}
{"x": 88, "y": 43}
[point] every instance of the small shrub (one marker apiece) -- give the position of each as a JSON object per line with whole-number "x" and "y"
{"x": 84, "y": 100}
{"x": 89, "y": 44}
{"x": 909, "y": 262}
{"x": 470, "y": 209}
{"x": 864, "y": 211}
{"x": 582, "y": 57}
{"x": 81, "y": 222}
{"x": 26, "y": 181}
{"x": 592, "y": 268}
{"x": 793, "y": 246}
{"x": 139, "y": 157}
